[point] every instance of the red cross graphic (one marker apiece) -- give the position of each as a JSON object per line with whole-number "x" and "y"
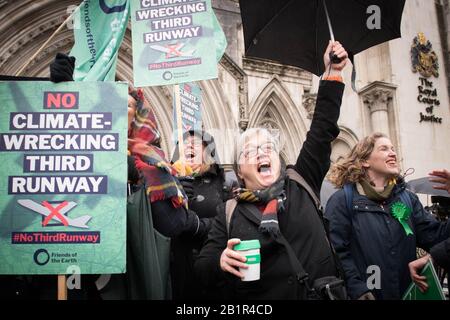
{"x": 55, "y": 212}
{"x": 173, "y": 50}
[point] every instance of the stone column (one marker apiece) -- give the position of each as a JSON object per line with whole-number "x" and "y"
{"x": 377, "y": 100}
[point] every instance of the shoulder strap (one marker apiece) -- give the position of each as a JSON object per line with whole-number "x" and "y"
{"x": 301, "y": 274}
{"x": 230, "y": 205}
{"x": 348, "y": 190}
{"x": 294, "y": 175}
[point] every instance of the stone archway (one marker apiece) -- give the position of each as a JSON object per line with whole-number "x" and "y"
{"x": 343, "y": 144}
{"x": 275, "y": 109}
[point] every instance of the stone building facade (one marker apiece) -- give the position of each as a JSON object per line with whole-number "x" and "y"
{"x": 251, "y": 92}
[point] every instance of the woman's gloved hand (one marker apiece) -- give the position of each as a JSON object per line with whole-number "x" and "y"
{"x": 61, "y": 69}
{"x": 188, "y": 186}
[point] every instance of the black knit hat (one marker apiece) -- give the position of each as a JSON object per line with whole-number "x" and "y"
{"x": 207, "y": 140}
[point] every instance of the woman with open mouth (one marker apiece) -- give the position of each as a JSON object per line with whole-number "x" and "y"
{"x": 272, "y": 206}
{"x": 375, "y": 223}
{"x": 204, "y": 185}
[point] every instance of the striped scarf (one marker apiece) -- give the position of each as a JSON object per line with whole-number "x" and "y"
{"x": 272, "y": 198}
{"x": 144, "y": 145}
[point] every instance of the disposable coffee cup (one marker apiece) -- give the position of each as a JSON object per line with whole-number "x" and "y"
{"x": 250, "y": 249}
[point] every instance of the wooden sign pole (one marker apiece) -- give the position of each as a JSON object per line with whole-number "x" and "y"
{"x": 46, "y": 42}
{"x": 176, "y": 89}
{"x": 62, "y": 287}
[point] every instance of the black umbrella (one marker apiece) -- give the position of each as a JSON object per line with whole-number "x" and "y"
{"x": 14, "y": 78}
{"x": 424, "y": 186}
{"x": 296, "y": 32}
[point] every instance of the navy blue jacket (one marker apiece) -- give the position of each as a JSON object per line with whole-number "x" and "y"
{"x": 370, "y": 236}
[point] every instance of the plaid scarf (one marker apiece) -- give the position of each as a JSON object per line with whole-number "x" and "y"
{"x": 144, "y": 127}
{"x": 144, "y": 145}
{"x": 272, "y": 197}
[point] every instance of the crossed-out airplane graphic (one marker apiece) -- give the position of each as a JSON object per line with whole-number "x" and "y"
{"x": 49, "y": 213}
{"x": 173, "y": 50}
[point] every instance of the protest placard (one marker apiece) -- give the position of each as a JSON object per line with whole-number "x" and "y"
{"x": 63, "y": 171}
{"x": 173, "y": 41}
{"x": 434, "y": 291}
{"x": 190, "y": 99}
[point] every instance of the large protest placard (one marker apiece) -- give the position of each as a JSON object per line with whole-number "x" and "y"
{"x": 173, "y": 41}
{"x": 63, "y": 173}
{"x": 434, "y": 291}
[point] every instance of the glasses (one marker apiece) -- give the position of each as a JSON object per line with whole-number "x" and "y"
{"x": 252, "y": 151}
{"x": 193, "y": 142}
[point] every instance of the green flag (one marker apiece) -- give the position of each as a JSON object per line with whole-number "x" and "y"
{"x": 101, "y": 25}
{"x": 219, "y": 38}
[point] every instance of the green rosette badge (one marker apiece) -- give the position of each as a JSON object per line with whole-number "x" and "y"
{"x": 401, "y": 212}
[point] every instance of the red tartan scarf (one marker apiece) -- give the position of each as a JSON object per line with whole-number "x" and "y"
{"x": 144, "y": 145}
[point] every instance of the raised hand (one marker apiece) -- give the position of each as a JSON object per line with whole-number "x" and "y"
{"x": 337, "y": 49}
{"x": 443, "y": 178}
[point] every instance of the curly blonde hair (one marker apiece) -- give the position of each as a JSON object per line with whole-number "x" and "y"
{"x": 350, "y": 169}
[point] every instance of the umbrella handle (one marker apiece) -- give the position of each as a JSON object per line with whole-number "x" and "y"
{"x": 334, "y": 58}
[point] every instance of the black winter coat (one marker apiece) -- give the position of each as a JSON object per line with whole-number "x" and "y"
{"x": 299, "y": 223}
{"x": 441, "y": 254}
{"x": 209, "y": 192}
{"x": 370, "y": 236}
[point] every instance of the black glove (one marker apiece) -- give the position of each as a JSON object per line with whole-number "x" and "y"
{"x": 195, "y": 228}
{"x": 188, "y": 186}
{"x": 61, "y": 69}
{"x": 203, "y": 230}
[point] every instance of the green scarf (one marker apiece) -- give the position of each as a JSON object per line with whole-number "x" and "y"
{"x": 373, "y": 194}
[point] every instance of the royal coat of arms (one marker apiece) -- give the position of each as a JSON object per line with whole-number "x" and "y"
{"x": 424, "y": 59}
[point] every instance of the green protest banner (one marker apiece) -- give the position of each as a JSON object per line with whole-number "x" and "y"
{"x": 98, "y": 32}
{"x": 172, "y": 41}
{"x": 434, "y": 291}
{"x": 219, "y": 38}
{"x": 187, "y": 113}
{"x": 63, "y": 171}
{"x": 190, "y": 100}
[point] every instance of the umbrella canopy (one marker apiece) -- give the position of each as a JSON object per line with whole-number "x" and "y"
{"x": 14, "y": 78}
{"x": 295, "y": 32}
{"x": 424, "y": 186}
